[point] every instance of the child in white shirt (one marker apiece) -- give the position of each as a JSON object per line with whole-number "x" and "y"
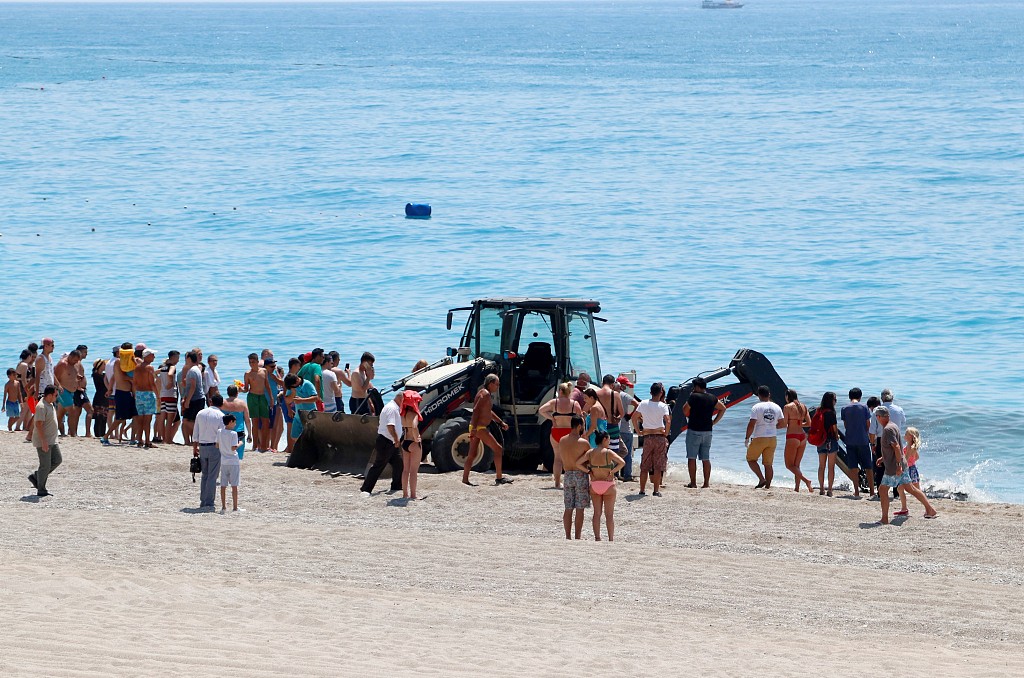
{"x": 227, "y": 442}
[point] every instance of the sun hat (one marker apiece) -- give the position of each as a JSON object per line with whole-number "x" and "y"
{"x": 411, "y": 401}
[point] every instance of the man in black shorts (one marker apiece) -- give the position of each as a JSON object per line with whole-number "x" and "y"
{"x": 193, "y": 399}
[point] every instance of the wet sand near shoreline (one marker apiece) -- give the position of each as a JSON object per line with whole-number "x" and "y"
{"x": 116, "y": 575}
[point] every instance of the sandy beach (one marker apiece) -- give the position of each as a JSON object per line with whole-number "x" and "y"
{"x": 116, "y": 575}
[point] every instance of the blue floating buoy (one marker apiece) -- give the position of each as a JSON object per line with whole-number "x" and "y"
{"x": 417, "y": 211}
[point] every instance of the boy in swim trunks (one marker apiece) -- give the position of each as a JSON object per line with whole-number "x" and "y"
{"x": 12, "y": 399}
{"x": 573, "y": 449}
{"x": 257, "y": 387}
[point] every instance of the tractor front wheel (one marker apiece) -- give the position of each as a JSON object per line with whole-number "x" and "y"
{"x": 450, "y": 448}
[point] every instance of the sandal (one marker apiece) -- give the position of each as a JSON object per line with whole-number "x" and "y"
{"x": 901, "y": 513}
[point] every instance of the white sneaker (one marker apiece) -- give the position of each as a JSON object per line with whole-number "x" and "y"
{"x": 365, "y": 495}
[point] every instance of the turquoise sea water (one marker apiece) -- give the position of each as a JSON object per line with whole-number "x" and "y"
{"x": 834, "y": 184}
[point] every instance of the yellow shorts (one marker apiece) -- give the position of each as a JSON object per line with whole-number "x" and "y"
{"x": 762, "y": 447}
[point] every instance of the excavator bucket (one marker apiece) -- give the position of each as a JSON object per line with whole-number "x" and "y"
{"x": 750, "y": 369}
{"x": 335, "y": 441}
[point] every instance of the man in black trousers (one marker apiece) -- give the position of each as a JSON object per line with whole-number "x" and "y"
{"x": 388, "y": 447}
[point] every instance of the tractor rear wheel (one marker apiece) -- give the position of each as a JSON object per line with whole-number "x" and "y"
{"x": 450, "y": 448}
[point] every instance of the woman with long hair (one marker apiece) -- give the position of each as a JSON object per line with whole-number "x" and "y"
{"x": 827, "y": 451}
{"x": 797, "y": 417}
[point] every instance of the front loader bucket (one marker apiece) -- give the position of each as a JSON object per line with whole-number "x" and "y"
{"x": 334, "y": 441}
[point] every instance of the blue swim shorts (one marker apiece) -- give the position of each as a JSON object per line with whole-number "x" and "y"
{"x": 896, "y": 481}
{"x": 66, "y": 398}
{"x": 915, "y": 477}
{"x": 13, "y": 410}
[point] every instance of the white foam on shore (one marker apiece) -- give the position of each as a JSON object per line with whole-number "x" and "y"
{"x": 965, "y": 482}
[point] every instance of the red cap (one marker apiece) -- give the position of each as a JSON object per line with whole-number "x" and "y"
{"x": 624, "y": 381}
{"x": 411, "y": 400}
{"x": 306, "y": 357}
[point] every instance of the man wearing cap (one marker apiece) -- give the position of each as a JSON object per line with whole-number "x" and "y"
{"x": 896, "y": 469}
{"x": 144, "y": 382}
{"x": 386, "y": 449}
{"x": 629, "y": 403}
{"x": 313, "y": 372}
{"x": 209, "y": 422}
{"x": 702, "y": 411}
{"x": 44, "y": 437}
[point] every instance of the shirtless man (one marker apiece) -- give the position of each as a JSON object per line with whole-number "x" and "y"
{"x": 483, "y": 415}
{"x": 572, "y": 449}
{"x": 66, "y": 376}
{"x": 612, "y": 405}
{"x": 344, "y": 377}
{"x": 81, "y": 397}
{"x": 144, "y": 381}
{"x": 796, "y": 416}
{"x": 358, "y": 402}
{"x": 124, "y": 398}
{"x": 256, "y": 385}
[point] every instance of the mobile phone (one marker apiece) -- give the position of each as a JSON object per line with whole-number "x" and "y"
{"x": 346, "y": 366}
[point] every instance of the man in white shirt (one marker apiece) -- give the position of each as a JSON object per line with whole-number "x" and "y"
{"x": 227, "y": 442}
{"x": 896, "y": 414}
{"x": 329, "y": 379}
{"x": 388, "y": 446}
{"x": 655, "y": 422}
{"x": 209, "y": 424}
{"x": 765, "y": 420}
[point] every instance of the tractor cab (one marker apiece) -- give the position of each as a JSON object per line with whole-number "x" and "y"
{"x": 535, "y": 342}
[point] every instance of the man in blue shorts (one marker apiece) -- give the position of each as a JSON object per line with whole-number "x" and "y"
{"x": 702, "y": 411}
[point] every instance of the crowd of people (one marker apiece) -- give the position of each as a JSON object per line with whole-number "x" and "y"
{"x": 141, "y": 404}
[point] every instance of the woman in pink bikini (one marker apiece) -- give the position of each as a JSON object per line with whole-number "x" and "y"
{"x": 603, "y": 465}
{"x": 560, "y": 411}
{"x": 797, "y": 417}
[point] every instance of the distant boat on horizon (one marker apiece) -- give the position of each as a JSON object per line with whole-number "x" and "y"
{"x": 721, "y": 4}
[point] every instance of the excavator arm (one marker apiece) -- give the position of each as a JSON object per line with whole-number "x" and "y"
{"x": 749, "y": 368}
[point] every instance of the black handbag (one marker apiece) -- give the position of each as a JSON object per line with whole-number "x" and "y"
{"x": 195, "y": 466}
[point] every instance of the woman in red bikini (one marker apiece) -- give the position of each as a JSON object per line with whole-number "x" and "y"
{"x": 560, "y": 411}
{"x": 797, "y": 417}
{"x": 603, "y": 465}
